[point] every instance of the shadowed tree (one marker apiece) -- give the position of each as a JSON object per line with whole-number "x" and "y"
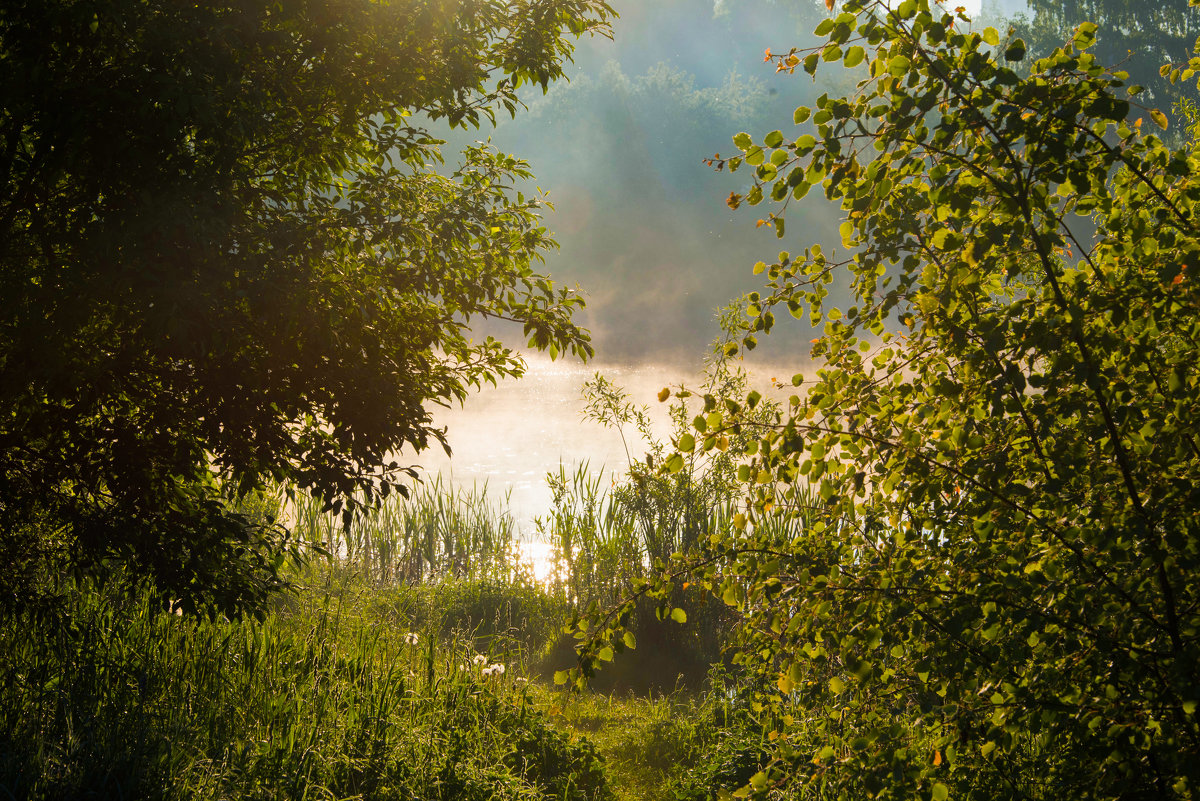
{"x": 228, "y": 255}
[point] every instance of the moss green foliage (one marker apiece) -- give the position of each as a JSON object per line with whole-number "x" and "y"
{"x": 120, "y": 698}
{"x": 1138, "y": 37}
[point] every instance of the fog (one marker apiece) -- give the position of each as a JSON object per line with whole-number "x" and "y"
{"x": 641, "y": 219}
{"x": 642, "y": 222}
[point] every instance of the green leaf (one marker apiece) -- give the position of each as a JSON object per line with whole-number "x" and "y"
{"x": 687, "y": 443}
{"x": 629, "y": 640}
{"x": 899, "y": 66}
{"x": 742, "y": 141}
{"x": 605, "y": 654}
{"x": 836, "y": 685}
{"x": 991, "y": 36}
{"x": 940, "y": 792}
{"x": 1159, "y": 118}
{"x": 1085, "y": 35}
{"x": 854, "y": 56}
{"x": 678, "y": 615}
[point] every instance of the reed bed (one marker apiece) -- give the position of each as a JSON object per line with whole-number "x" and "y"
{"x": 438, "y": 531}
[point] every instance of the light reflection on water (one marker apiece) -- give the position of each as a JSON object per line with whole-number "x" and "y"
{"x": 510, "y": 436}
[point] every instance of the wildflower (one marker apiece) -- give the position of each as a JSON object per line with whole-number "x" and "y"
{"x": 479, "y": 659}
{"x": 411, "y": 638}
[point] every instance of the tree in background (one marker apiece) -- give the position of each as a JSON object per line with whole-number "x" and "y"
{"x": 229, "y": 255}
{"x": 993, "y": 594}
{"x": 1138, "y": 38}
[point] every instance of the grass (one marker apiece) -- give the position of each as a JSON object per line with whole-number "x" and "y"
{"x": 646, "y": 742}
{"x": 377, "y": 677}
{"x": 119, "y": 698}
{"x": 345, "y": 689}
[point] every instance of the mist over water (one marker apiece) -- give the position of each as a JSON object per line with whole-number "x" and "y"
{"x": 644, "y": 229}
{"x": 511, "y": 435}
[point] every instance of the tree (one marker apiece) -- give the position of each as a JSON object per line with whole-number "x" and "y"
{"x": 1130, "y": 36}
{"x": 229, "y": 255}
{"x": 966, "y": 563}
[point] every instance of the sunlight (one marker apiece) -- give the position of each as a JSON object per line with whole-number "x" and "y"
{"x": 538, "y": 556}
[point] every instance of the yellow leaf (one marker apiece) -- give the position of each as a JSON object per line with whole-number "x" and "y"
{"x": 663, "y": 394}
{"x": 969, "y": 254}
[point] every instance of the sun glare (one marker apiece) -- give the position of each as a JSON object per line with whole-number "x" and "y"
{"x": 538, "y": 556}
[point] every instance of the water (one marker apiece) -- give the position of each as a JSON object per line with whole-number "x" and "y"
{"x": 510, "y": 436}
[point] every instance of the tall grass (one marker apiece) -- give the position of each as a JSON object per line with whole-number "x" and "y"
{"x": 121, "y": 699}
{"x": 438, "y": 531}
{"x": 605, "y": 534}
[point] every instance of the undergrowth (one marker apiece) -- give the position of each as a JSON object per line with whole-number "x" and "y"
{"x": 116, "y": 697}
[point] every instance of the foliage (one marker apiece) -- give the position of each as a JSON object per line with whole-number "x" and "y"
{"x": 516, "y": 622}
{"x": 609, "y": 542}
{"x": 1133, "y": 37}
{"x": 230, "y": 254}
{"x": 735, "y": 750}
{"x": 128, "y": 700}
{"x": 983, "y": 586}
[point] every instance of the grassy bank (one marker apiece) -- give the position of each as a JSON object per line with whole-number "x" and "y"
{"x": 324, "y": 698}
{"x": 344, "y": 690}
{"x": 412, "y": 660}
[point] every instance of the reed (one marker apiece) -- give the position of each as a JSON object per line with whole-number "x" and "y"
{"x": 438, "y": 531}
